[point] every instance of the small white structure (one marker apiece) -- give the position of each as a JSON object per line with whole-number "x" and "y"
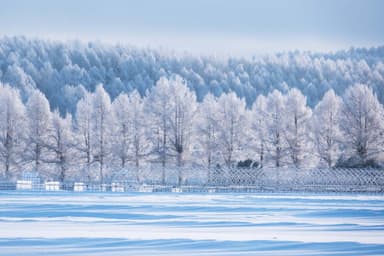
{"x": 52, "y": 186}
{"x": 29, "y": 180}
{"x": 177, "y": 190}
{"x": 211, "y": 190}
{"x": 117, "y": 187}
{"x": 24, "y": 185}
{"x": 79, "y": 187}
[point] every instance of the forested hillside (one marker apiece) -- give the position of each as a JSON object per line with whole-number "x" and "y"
{"x": 64, "y": 71}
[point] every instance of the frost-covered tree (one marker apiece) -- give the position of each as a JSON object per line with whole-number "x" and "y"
{"x": 327, "y": 136}
{"x": 61, "y": 144}
{"x": 207, "y": 130}
{"x": 130, "y": 134}
{"x": 297, "y": 116}
{"x": 172, "y": 107}
{"x": 258, "y": 128}
{"x": 274, "y": 118}
{"x": 12, "y": 129}
{"x": 102, "y": 120}
{"x": 138, "y": 125}
{"x": 16, "y": 76}
{"x": 181, "y": 118}
{"x": 84, "y": 133}
{"x": 39, "y": 116}
{"x": 362, "y": 123}
{"x": 159, "y": 107}
{"x": 232, "y": 127}
{"x": 121, "y": 138}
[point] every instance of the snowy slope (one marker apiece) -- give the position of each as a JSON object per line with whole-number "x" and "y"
{"x": 191, "y": 224}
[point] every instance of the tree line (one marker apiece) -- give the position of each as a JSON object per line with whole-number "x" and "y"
{"x": 169, "y": 127}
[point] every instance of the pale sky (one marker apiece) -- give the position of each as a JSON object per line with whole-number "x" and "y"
{"x": 238, "y": 27}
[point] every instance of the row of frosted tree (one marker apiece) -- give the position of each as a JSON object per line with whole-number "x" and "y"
{"x": 169, "y": 127}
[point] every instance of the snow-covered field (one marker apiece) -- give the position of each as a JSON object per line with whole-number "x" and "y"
{"x": 190, "y": 224}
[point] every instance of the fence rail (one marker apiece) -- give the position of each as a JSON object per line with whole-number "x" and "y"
{"x": 220, "y": 180}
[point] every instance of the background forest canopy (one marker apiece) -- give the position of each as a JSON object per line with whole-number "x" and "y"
{"x": 65, "y": 71}
{"x": 79, "y": 110}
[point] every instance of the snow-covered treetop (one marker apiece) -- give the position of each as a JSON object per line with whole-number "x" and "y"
{"x": 64, "y": 71}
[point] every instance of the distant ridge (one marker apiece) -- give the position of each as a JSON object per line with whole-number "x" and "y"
{"x": 64, "y": 70}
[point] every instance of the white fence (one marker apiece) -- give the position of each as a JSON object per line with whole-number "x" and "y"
{"x": 223, "y": 180}
{"x": 261, "y": 178}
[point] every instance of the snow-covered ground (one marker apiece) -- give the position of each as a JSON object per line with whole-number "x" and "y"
{"x": 190, "y": 224}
